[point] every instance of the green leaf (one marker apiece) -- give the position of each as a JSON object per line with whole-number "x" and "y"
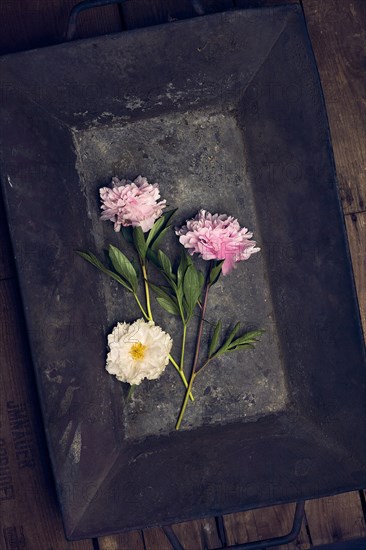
{"x": 162, "y": 234}
{"x": 183, "y": 264}
{"x": 163, "y": 229}
{"x": 165, "y": 264}
{"x": 249, "y": 338}
{"x": 215, "y": 273}
{"x": 226, "y": 344}
{"x": 154, "y": 230}
{"x": 139, "y": 241}
{"x": 232, "y": 334}
{"x": 89, "y": 257}
{"x": 191, "y": 288}
{"x": 168, "y": 304}
{"x": 127, "y": 233}
{"x": 179, "y": 294}
{"x": 169, "y": 214}
{"x": 201, "y": 279}
{"x": 162, "y": 291}
{"x": 215, "y": 338}
{"x": 153, "y": 257}
{"x": 186, "y": 309}
{"x": 123, "y": 266}
{"x": 242, "y": 346}
{"x": 136, "y": 267}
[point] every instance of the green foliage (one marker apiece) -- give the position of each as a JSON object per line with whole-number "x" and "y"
{"x": 166, "y": 266}
{"x": 215, "y": 339}
{"x": 185, "y": 284}
{"x": 183, "y": 264}
{"x": 123, "y": 266}
{"x": 154, "y": 231}
{"x": 169, "y": 304}
{"x": 215, "y": 273}
{"x": 127, "y": 233}
{"x": 155, "y": 244}
{"x": 247, "y": 340}
{"x": 89, "y": 257}
{"x": 139, "y": 242}
{"x": 191, "y": 289}
{"x": 162, "y": 230}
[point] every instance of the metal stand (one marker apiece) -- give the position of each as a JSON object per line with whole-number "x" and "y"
{"x": 267, "y": 543}
{"x": 89, "y": 4}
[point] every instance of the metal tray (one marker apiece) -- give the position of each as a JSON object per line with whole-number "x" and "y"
{"x": 226, "y": 112}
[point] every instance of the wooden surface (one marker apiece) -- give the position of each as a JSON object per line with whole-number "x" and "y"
{"x": 30, "y": 518}
{"x": 338, "y": 34}
{"x": 264, "y": 523}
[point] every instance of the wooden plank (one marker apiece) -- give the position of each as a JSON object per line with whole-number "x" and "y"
{"x": 335, "y": 518}
{"x": 28, "y": 507}
{"x": 155, "y": 539}
{"x": 352, "y": 544}
{"x": 356, "y": 231}
{"x": 262, "y": 3}
{"x": 197, "y": 535}
{"x": 141, "y": 13}
{"x": 264, "y": 523}
{"x": 337, "y": 34}
{"x": 33, "y": 23}
{"x": 7, "y": 268}
{"x": 125, "y": 541}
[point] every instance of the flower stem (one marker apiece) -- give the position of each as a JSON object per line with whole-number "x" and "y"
{"x": 185, "y": 402}
{"x": 149, "y": 317}
{"x": 183, "y": 346}
{"x": 196, "y": 355}
{"x": 131, "y": 391}
{"x": 181, "y": 374}
{"x": 147, "y": 292}
{"x": 204, "y": 365}
{"x": 141, "y": 307}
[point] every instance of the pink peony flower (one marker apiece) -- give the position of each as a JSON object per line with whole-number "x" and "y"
{"x": 131, "y": 203}
{"x": 217, "y": 237}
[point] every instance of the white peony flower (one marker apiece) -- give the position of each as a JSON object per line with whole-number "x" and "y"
{"x": 137, "y": 351}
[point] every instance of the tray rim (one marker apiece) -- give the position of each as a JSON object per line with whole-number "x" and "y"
{"x": 92, "y": 40}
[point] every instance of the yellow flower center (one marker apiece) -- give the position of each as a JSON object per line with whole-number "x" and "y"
{"x": 137, "y": 351}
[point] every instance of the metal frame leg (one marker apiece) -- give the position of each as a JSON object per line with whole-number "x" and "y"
{"x": 255, "y": 545}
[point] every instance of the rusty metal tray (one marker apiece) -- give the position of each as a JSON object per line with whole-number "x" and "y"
{"x": 225, "y": 111}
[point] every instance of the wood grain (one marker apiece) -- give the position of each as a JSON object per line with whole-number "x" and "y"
{"x": 142, "y": 13}
{"x": 30, "y": 518}
{"x": 242, "y": 4}
{"x": 35, "y": 23}
{"x": 197, "y": 535}
{"x": 264, "y": 523}
{"x": 335, "y": 518}
{"x": 338, "y": 35}
{"x": 356, "y": 231}
{"x": 200, "y": 534}
{"x": 7, "y": 268}
{"x": 125, "y": 541}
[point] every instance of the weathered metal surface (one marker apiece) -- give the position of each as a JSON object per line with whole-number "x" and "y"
{"x": 226, "y": 113}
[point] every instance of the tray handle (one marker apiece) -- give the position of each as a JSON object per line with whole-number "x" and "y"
{"x": 89, "y": 4}
{"x": 85, "y": 5}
